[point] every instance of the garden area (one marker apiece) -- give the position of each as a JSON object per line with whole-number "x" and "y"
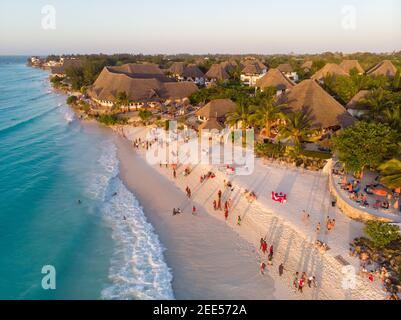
{"x": 380, "y": 256}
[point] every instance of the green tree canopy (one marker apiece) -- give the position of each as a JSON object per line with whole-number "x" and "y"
{"x": 365, "y": 145}
{"x": 145, "y": 115}
{"x": 381, "y": 234}
{"x": 391, "y": 173}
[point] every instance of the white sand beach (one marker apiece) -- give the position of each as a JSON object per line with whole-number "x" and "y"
{"x": 212, "y": 258}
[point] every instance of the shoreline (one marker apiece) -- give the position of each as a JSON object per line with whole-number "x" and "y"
{"x": 262, "y": 219}
{"x": 241, "y": 285}
{"x": 207, "y": 259}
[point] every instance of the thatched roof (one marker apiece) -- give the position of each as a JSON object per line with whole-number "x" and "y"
{"x": 177, "y": 90}
{"x": 326, "y": 112}
{"x": 110, "y": 83}
{"x": 348, "y": 65}
{"x": 211, "y": 124}
{"x": 187, "y": 71}
{"x": 384, "y": 68}
{"x": 355, "y": 101}
{"x": 177, "y": 68}
{"x": 192, "y": 71}
{"x": 68, "y": 63}
{"x": 217, "y": 71}
{"x": 250, "y": 61}
{"x": 274, "y": 78}
{"x": 329, "y": 69}
{"x": 229, "y": 65}
{"x": 285, "y": 68}
{"x": 217, "y": 108}
{"x": 307, "y": 65}
{"x": 141, "y": 71}
{"x": 252, "y": 68}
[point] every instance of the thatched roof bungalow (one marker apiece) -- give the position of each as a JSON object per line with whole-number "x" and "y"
{"x": 213, "y": 114}
{"x": 329, "y": 69}
{"x": 325, "y": 111}
{"x": 349, "y": 65}
{"x": 184, "y": 72}
{"x": 355, "y": 107}
{"x": 142, "y": 86}
{"x": 274, "y": 78}
{"x": 384, "y": 68}
{"x": 217, "y": 73}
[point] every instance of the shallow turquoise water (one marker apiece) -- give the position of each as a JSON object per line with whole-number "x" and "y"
{"x": 62, "y": 202}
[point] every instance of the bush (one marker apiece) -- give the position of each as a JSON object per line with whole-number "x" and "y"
{"x": 270, "y": 150}
{"x": 72, "y": 100}
{"x": 382, "y": 234}
{"x": 316, "y": 154}
{"x": 110, "y": 120}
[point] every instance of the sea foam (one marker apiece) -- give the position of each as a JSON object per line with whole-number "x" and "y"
{"x": 138, "y": 269}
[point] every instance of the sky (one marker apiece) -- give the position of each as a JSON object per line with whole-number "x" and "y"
{"x": 40, "y": 27}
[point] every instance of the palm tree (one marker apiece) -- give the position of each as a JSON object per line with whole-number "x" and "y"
{"x": 376, "y": 101}
{"x": 241, "y": 114}
{"x": 266, "y": 114}
{"x": 392, "y": 116}
{"x": 297, "y": 127}
{"x": 391, "y": 173}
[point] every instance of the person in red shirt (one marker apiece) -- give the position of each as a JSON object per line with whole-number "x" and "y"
{"x": 193, "y": 210}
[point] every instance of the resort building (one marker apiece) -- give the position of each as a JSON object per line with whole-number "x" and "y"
{"x": 384, "y": 68}
{"x": 309, "y": 97}
{"x": 355, "y": 107}
{"x": 329, "y": 69}
{"x": 229, "y": 65}
{"x": 216, "y": 73}
{"x": 307, "y": 66}
{"x": 60, "y": 69}
{"x": 252, "y": 71}
{"x": 274, "y": 78}
{"x": 288, "y": 71}
{"x": 348, "y": 65}
{"x": 182, "y": 72}
{"x": 213, "y": 115}
{"x": 145, "y": 85}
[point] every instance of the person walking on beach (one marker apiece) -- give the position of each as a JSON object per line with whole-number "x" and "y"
{"x": 301, "y": 285}
{"x": 193, "y": 210}
{"x": 239, "y": 221}
{"x": 281, "y": 270}
{"x": 189, "y": 192}
{"x": 263, "y": 246}
{"x": 226, "y": 214}
{"x": 318, "y": 227}
{"x": 295, "y": 282}
{"x": 312, "y": 282}
{"x": 262, "y": 268}
{"x": 271, "y": 251}
{"x": 175, "y": 174}
{"x": 214, "y": 205}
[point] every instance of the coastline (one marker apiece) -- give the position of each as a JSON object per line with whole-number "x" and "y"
{"x": 293, "y": 243}
{"x": 207, "y": 252}
{"x": 208, "y": 260}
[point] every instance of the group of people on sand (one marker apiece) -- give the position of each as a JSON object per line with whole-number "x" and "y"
{"x": 205, "y": 177}
{"x": 329, "y": 223}
{"x": 265, "y": 250}
{"x": 301, "y": 280}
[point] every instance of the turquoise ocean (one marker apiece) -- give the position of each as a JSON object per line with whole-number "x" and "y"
{"x": 62, "y": 203}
